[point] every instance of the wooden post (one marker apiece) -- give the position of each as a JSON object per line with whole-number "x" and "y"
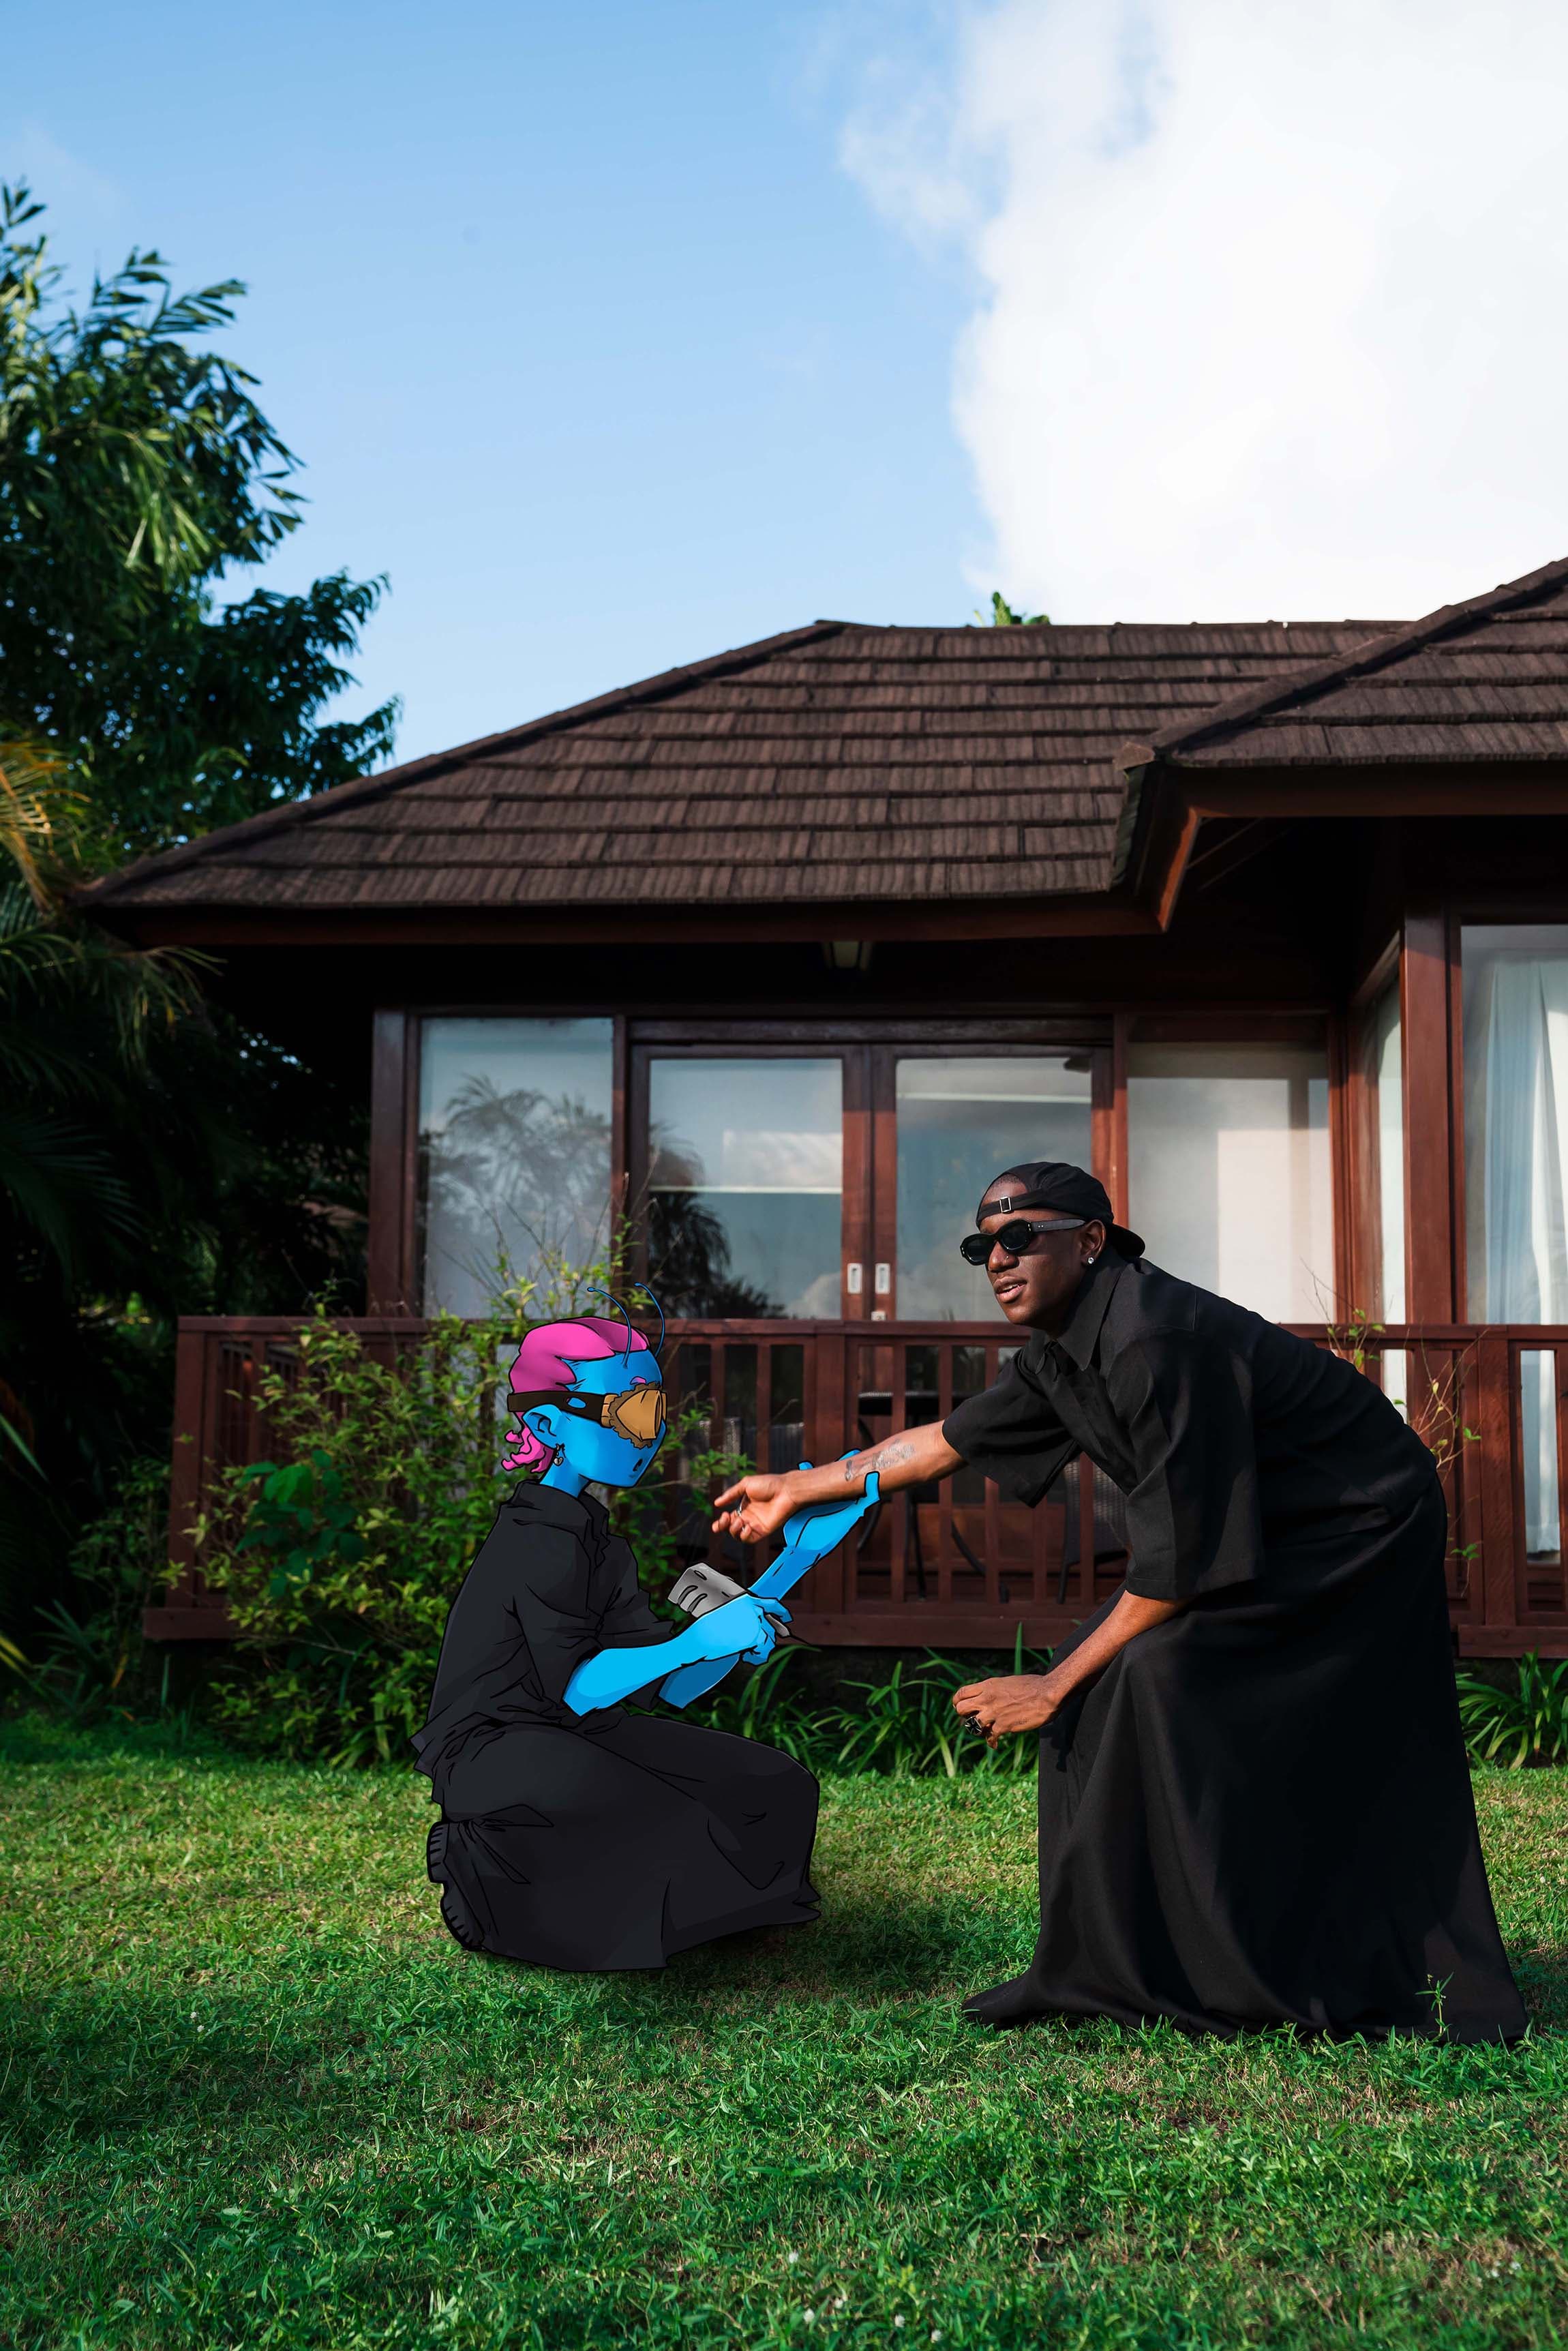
{"x": 1430, "y": 1237}
{"x": 1108, "y": 1115}
{"x": 1497, "y": 1369}
{"x": 388, "y": 1275}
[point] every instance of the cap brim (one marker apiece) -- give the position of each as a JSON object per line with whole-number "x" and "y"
{"x": 1125, "y": 1244}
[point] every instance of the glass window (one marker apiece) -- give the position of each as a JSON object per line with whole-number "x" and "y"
{"x": 1229, "y": 1172}
{"x": 1382, "y": 1069}
{"x": 1516, "y": 1169}
{"x": 746, "y": 1186}
{"x": 1516, "y": 1120}
{"x": 514, "y": 1135}
{"x": 962, "y": 1120}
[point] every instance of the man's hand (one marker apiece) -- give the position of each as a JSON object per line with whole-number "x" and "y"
{"x": 1008, "y": 1703}
{"x": 1015, "y": 1702}
{"x": 756, "y": 1507}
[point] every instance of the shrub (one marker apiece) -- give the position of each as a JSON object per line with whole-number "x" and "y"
{"x": 902, "y": 1728}
{"x": 1522, "y": 1725}
{"x": 88, "y": 1658}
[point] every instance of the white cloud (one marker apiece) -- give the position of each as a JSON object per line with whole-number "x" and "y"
{"x": 1272, "y": 299}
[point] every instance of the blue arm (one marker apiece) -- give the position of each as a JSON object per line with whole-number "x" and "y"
{"x": 724, "y": 1633}
{"x": 809, "y": 1534}
{"x": 614, "y": 1673}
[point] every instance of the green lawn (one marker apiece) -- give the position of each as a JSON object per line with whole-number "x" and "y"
{"x": 253, "y": 2095}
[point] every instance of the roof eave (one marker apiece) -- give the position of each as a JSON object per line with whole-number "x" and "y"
{"x": 1113, "y": 912}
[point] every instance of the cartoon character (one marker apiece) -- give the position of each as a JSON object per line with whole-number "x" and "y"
{"x": 572, "y": 1834}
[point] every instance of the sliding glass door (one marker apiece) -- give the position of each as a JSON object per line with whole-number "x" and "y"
{"x": 960, "y": 1119}
{"x": 742, "y": 1200}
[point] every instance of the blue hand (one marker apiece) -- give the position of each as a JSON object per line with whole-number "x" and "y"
{"x": 737, "y": 1630}
{"x": 809, "y": 1534}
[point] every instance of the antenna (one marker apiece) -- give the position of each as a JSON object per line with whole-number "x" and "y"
{"x": 595, "y": 1290}
{"x": 659, "y": 1311}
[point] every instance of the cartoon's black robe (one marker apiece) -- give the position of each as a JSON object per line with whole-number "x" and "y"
{"x": 601, "y": 1841}
{"x": 1259, "y": 1814}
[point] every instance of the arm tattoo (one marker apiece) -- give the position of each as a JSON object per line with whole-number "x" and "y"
{"x": 879, "y": 1458}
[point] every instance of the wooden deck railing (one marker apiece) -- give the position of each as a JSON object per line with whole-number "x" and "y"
{"x": 954, "y": 1564}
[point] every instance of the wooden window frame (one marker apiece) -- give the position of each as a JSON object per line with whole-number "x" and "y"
{"x": 1364, "y": 1225}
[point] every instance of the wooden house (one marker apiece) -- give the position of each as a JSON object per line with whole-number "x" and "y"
{"x": 782, "y": 956}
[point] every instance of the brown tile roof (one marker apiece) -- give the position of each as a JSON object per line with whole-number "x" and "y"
{"x": 1485, "y": 680}
{"x": 837, "y": 764}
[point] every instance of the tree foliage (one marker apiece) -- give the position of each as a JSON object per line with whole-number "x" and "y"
{"x": 156, "y": 1156}
{"x": 137, "y": 474}
{"x": 1004, "y": 617}
{"x": 155, "y": 1159}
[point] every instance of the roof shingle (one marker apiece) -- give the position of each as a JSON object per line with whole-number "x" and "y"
{"x": 840, "y": 764}
{"x": 1485, "y": 680}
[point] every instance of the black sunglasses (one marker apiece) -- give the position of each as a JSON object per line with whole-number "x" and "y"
{"x": 1016, "y": 1236}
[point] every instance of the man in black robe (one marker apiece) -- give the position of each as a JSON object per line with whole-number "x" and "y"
{"x": 1255, "y": 1807}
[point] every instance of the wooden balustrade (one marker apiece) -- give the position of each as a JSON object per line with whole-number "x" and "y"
{"x": 952, "y": 1564}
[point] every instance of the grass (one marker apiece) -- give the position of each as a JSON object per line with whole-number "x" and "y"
{"x": 254, "y": 2095}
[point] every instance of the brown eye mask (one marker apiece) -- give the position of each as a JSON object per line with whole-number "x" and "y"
{"x": 635, "y": 1414}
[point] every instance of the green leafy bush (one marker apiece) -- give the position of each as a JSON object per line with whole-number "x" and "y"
{"x": 1522, "y": 1725}
{"x": 86, "y": 1658}
{"x": 899, "y": 1727}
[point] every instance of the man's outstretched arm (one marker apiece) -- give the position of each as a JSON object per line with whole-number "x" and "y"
{"x": 756, "y": 1507}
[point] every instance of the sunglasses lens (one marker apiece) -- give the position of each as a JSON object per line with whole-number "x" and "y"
{"x": 1015, "y": 1238}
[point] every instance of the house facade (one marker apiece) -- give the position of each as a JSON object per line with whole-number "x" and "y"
{"x": 770, "y": 963}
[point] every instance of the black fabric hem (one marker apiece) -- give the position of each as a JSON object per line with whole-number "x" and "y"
{"x": 1014, "y": 2015}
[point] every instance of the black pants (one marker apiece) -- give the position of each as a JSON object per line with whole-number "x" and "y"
{"x": 616, "y": 1847}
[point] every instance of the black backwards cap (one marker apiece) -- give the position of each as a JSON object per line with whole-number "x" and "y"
{"x": 1073, "y": 1191}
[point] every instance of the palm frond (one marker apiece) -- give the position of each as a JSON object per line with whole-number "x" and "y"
{"x": 62, "y": 1183}
{"x": 41, "y": 814}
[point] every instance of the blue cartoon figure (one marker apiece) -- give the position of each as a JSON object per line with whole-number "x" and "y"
{"x": 574, "y": 1835}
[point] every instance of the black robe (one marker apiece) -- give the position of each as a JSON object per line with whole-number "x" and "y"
{"x": 1260, "y": 1811}
{"x": 599, "y": 1841}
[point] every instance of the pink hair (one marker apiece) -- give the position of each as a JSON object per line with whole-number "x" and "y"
{"x": 544, "y": 1360}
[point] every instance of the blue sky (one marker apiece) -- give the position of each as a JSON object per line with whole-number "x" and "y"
{"x": 586, "y": 339}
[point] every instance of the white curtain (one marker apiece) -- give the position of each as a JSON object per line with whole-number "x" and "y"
{"x": 1516, "y": 1085}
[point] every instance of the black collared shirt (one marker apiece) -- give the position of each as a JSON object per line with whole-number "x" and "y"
{"x": 1232, "y": 1440}
{"x": 551, "y": 1586}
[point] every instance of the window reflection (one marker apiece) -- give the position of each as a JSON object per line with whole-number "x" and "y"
{"x": 1383, "y": 1144}
{"x": 961, "y": 1120}
{"x": 746, "y": 1185}
{"x": 513, "y": 1144}
{"x": 1230, "y": 1177}
{"x": 1516, "y": 1170}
